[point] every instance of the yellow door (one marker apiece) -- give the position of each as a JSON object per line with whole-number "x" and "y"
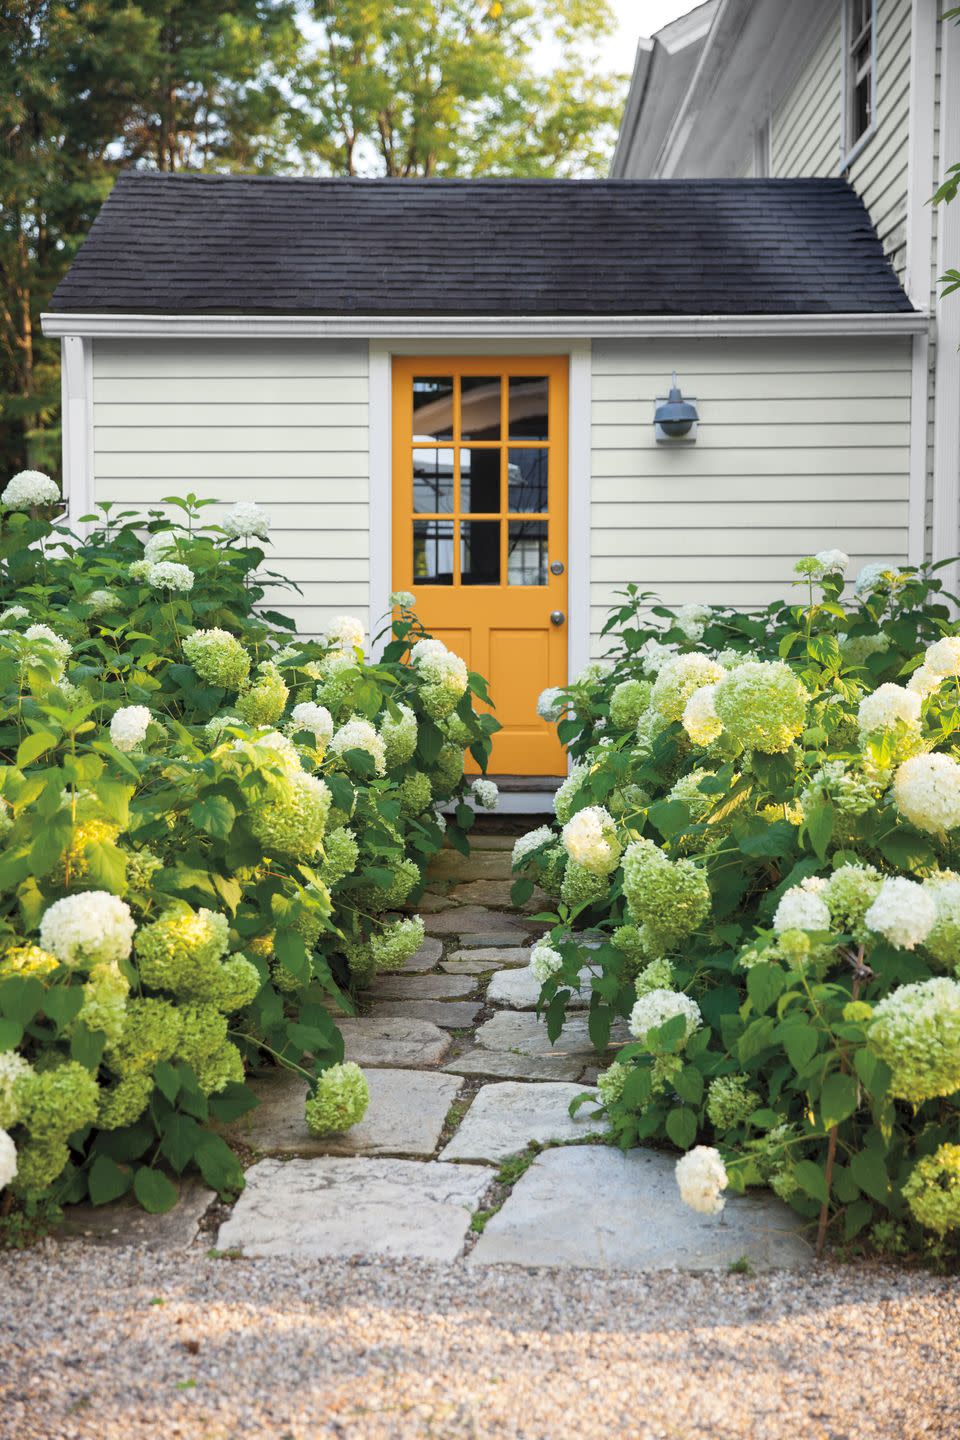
{"x": 480, "y": 529}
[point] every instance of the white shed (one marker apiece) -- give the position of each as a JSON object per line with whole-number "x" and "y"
{"x": 450, "y": 386}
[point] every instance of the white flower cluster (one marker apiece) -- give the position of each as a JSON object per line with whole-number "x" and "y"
{"x": 926, "y": 791}
{"x": 904, "y": 912}
{"x": 402, "y": 600}
{"x": 439, "y": 666}
{"x": 702, "y": 1178}
{"x": 101, "y": 601}
{"x": 159, "y": 545}
{"x": 544, "y": 962}
{"x": 486, "y": 794}
{"x": 49, "y": 638}
{"x": 653, "y": 655}
{"x": 169, "y": 575}
{"x": 245, "y": 521}
{"x": 691, "y": 619}
{"x": 14, "y": 612}
{"x": 700, "y": 718}
{"x": 279, "y": 745}
{"x": 832, "y": 562}
{"x": 532, "y": 840}
{"x": 359, "y": 734}
{"x": 128, "y": 728}
{"x": 924, "y": 681}
{"x": 801, "y": 909}
{"x": 658, "y": 1006}
{"x": 345, "y": 632}
{"x": 887, "y": 705}
{"x": 943, "y": 656}
{"x": 314, "y": 718}
{"x": 93, "y": 928}
{"x": 679, "y": 678}
{"x": 590, "y": 839}
{"x": 876, "y": 576}
{"x": 550, "y": 704}
{"x": 8, "y": 1160}
{"x": 29, "y": 488}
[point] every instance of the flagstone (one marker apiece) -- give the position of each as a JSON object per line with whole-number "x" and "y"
{"x": 386, "y": 1040}
{"x": 126, "y": 1223}
{"x": 452, "y": 1014}
{"x": 478, "y": 865}
{"x": 521, "y": 991}
{"x": 594, "y": 1207}
{"x": 504, "y": 1118}
{"x": 508, "y": 1065}
{"x": 485, "y": 840}
{"x": 525, "y": 1033}
{"x": 332, "y": 1208}
{"x": 405, "y": 1116}
{"x": 498, "y": 939}
{"x": 422, "y": 987}
{"x": 485, "y": 957}
{"x": 467, "y": 919}
{"x": 423, "y": 959}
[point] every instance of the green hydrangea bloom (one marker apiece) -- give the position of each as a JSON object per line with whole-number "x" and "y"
{"x": 439, "y": 701}
{"x": 263, "y": 702}
{"x": 664, "y": 1072}
{"x": 361, "y": 963}
{"x": 13, "y": 1067}
{"x": 670, "y": 898}
{"x": 39, "y": 1162}
{"x": 943, "y": 941}
{"x": 399, "y": 736}
{"x": 203, "y": 1030}
{"x": 181, "y": 951}
{"x": 73, "y": 864}
{"x": 457, "y": 731}
{"x": 416, "y": 793}
{"x": 933, "y": 1190}
{"x": 340, "y": 1100}
{"x": 610, "y": 1083}
{"x": 628, "y": 702}
{"x": 629, "y": 939}
{"x": 285, "y": 980}
{"x": 340, "y": 855}
{"x": 293, "y": 819}
{"x": 105, "y": 1001}
{"x": 568, "y": 791}
{"x": 448, "y": 770}
{"x": 233, "y": 987}
{"x": 142, "y": 866}
{"x": 217, "y": 657}
{"x": 553, "y": 863}
{"x": 126, "y": 1102}
{"x": 396, "y": 943}
{"x": 30, "y": 961}
{"x": 849, "y": 893}
{"x": 649, "y": 726}
{"x": 729, "y": 1101}
{"x": 916, "y": 1032}
{"x": 150, "y": 1035}
{"x": 656, "y": 975}
{"x": 849, "y": 793}
{"x": 338, "y": 676}
{"x": 406, "y": 876}
{"x": 56, "y": 1102}
{"x": 762, "y": 705}
{"x": 222, "y": 1068}
{"x": 677, "y": 680}
{"x": 582, "y": 886}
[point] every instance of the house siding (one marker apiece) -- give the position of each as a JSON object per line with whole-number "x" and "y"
{"x": 802, "y": 445}
{"x": 806, "y": 127}
{"x": 284, "y": 423}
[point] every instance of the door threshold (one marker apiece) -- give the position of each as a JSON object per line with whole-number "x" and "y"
{"x": 526, "y": 794}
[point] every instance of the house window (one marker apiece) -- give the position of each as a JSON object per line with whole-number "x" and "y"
{"x": 859, "y": 74}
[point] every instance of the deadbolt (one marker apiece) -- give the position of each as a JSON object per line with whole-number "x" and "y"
{"x": 557, "y": 617}
{"x": 556, "y": 567}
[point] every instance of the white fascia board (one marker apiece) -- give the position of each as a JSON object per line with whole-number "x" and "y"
{"x": 460, "y": 327}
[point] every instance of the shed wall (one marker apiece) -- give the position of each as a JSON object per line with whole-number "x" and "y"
{"x": 284, "y": 423}
{"x": 803, "y": 445}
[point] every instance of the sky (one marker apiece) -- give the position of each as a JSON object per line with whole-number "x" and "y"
{"x": 639, "y": 17}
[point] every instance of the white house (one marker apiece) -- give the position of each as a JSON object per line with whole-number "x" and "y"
{"x": 450, "y": 387}
{"x": 868, "y": 90}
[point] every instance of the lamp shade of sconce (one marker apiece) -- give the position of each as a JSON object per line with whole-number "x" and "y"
{"x": 675, "y": 418}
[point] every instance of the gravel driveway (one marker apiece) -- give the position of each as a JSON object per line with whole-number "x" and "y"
{"x": 123, "y": 1344}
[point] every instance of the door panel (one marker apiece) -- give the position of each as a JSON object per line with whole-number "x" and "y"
{"x": 479, "y": 519}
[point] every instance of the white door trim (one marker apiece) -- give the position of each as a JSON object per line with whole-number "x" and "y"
{"x": 946, "y": 432}
{"x": 917, "y": 491}
{"x": 76, "y": 395}
{"x": 920, "y": 179}
{"x": 578, "y": 477}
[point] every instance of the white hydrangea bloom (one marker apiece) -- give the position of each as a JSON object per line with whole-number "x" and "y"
{"x": 62, "y": 648}
{"x": 444, "y": 669}
{"x": 801, "y": 909}
{"x": 590, "y": 840}
{"x": 544, "y": 961}
{"x": 691, "y": 620}
{"x": 280, "y": 745}
{"x": 550, "y": 704}
{"x": 486, "y": 794}
{"x": 91, "y": 928}
{"x": 426, "y": 649}
{"x": 926, "y": 791}
{"x": 904, "y": 913}
{"x": 702, "y": 1177}
{"x": 8, "y": 1159}
{"x": 103, "y": 600}
{"x": 532, "y": 840}
{"x": 246, "y": 520}
{"x": 440, "y": 819}
{"x": 943, "y": 657}
{"x": 160, "y": 544}
{"x": 168, "y": 575}
{"x": 345, "y": 632}
{"x": 832, "y": 562}
{"x": 594, "y": 672}
{"x": 359, "y": 734}
{"x": 315, "y": 718}
{"x": 402, "y": 600}
{"x": 29, "y": 488}
{"x": 13, "y": 1067}
{"x": 885, "y": 706}
{"x": 658, "y": 1006}
{"x": 924, "y": 681}
{"x": 873, "y": 576}
{"x": 15, "y": 612}
{"x": 700, "y": 718}
{"x": 128, "y": 728}
{"x": 653, "y": 655}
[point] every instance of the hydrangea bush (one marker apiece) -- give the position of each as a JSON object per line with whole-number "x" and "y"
{"x": 205, "y": 822}
{"x": 757, "y": 854}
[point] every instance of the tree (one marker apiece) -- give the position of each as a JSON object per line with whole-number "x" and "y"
{"x": 448, "y": 87}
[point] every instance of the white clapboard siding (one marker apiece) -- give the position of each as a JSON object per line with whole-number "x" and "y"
{"x": 284, "y": 423}
{"x": 769, "y": 477}
{"x": 806, "y": 124}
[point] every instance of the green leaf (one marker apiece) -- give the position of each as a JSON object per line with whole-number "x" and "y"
{"x": 11, "y": 1033}
{"x": 106, "y": 866}
{"x": 811, "y": 1180}
{"x": 670, "y": 817}
{"x": 234, "y": 1100}
{"x": 87, "y": 1046}
{"x": 155, "y": 1191}
{"x": 21, "y": 998}
{"x": 218, "y": 1165}
{"x": 761, "y": 841}
{"x": 869, "y": 1169}
{"x": 465, "y": 817}
{"x": 857, "y": 1215}
{"x": 689, "y": 1085}
{"x": 34, "y": 746}
{"x": 180, "y": 1137}
{"x": 126, "y": 1144}
{"x": 907, "y": 850}
{"x": 167, "y": 1080}
{"x": 820, "y": 823}
{"x": 341, "y": 792}
{"x": 106, "y": 1181}
{"x": 214, "y": 815}
{"x": 764, "y": 985}
{"x": 838, "y": 1099}
{"x": 681, "y": 1126}
{"x": 800, "y": 1042}
{"x": 521, "y": 890}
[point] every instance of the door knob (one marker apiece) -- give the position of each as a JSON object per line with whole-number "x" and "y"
{"x": 557, "y": 617}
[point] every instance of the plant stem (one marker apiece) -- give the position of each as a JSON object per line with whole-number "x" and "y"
{"x": 828, "y": 1178}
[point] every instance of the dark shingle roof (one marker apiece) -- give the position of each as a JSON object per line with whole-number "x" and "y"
{"x": 256, "y": 245}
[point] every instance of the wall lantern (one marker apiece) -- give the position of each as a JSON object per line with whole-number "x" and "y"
{"x": 675, "y": 418}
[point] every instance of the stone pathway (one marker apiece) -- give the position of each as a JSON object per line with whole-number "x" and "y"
{"x": 463, "y": 1079}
